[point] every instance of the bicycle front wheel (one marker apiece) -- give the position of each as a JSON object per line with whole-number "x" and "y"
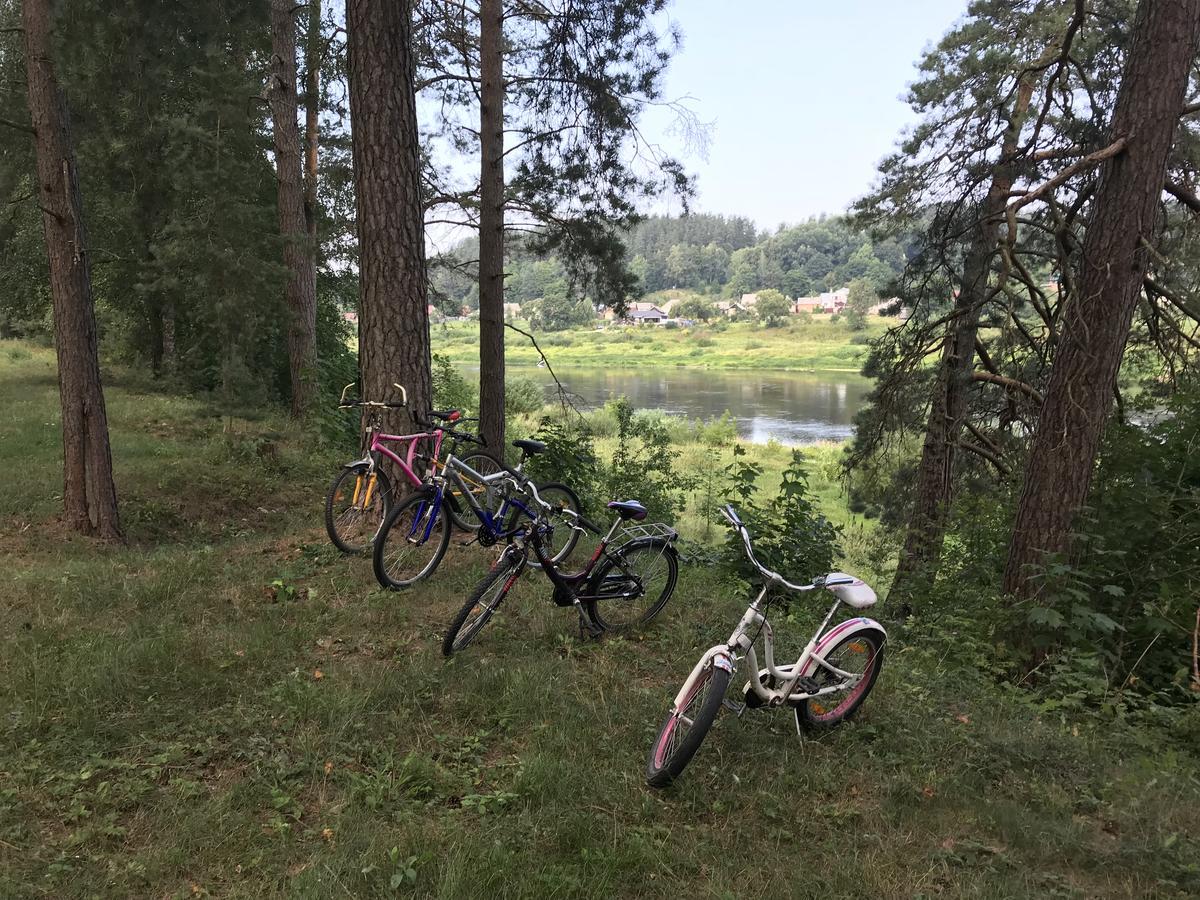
{"x": 633, "y": 585}
{"x": 356, "y": 506}
{"x": 412, "y": 541}
{"x": 483, "y": 602}
{"x": 685, "y": 729}
{"x": 561, "y": 537}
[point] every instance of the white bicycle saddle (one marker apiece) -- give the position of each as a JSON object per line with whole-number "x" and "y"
{"x": 850, "y": 590}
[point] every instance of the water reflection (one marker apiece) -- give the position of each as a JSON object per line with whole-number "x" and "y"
{"x": 791, "y": 408}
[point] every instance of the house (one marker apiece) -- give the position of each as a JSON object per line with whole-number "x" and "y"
{"x": 730, "y": 308}
{"x": 834, "y": 301}
{"x": 512, "y": 311}
{"x": 748, "y": 301}
{"x": 645, "y": 314}
{"x": 806, "y": 305}
{"x": 351, "y": 317}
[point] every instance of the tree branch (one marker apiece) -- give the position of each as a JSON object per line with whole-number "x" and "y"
{"x": 1011, "y": 384}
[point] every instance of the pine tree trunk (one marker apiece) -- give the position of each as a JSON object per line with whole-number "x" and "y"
{"x": 393, "y": 320}
{"x": 167, "y": 336}
{"x": 491, "y": 224}
{"x": 89, "y": 494}
{"x": 1096, "y": 322}
{"x": 301, "y": 288}
{"x": 921, "y": 556}
{"x": 312, "y": 109}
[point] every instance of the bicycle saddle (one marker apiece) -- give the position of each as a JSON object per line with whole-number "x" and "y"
{"x": 628, "y": 509}
{"x": 529, "y": 446}
{"x": 850, "y": 590}
{"x": 446, "y": 415}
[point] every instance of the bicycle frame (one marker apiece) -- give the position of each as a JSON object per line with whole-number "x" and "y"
{"x": 788, "y": 677}
{"x": 451, "y": 470}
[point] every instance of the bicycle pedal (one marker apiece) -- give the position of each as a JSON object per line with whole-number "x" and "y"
{"x": 736, "y": 708}
{"x": 808, "y": 685}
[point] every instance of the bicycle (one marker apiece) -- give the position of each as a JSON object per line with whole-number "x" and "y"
{"x": 825, "y": 686}
{"x": 415, "y": 536}
{"x": 603, "y": 593}
{"x": 360, "y": 496}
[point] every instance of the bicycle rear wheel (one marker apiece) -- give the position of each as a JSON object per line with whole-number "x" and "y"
{"x": 562, "y": 537}
{"x": 484, "y": 493}
{"x": 859, "y": 654}
{"x": 633, "y": 585}
{"x": 412, "y": 541}
{"x": 489, "y": 593}
{"x": 685, "y": 728}
{"x": 356, "y": 506}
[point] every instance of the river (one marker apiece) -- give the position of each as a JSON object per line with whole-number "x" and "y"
{"x": 791, "y": 408}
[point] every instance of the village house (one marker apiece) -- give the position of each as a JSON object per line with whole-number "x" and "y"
{"x": 512, "y": 311}
{"x": 642, "y": 313}
{"x": 834, "y": 301}
{"x": 806, "y": 305}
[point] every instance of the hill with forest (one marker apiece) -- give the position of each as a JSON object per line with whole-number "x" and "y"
{"x": 712, "y": 254}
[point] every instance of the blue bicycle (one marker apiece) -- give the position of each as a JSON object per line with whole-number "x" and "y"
{"x": 416, "y": 534}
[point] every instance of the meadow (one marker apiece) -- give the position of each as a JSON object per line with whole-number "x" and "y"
{"x": 227, "y": 707}
{"x": 805, "y": 343}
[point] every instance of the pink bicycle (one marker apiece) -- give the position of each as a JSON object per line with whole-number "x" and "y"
{"x": 361, "y": 495}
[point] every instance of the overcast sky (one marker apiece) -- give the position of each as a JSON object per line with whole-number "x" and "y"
{"x": 805, "y": 97}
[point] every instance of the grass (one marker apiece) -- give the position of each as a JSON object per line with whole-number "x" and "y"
{"x": 806, "y": 344}
{"x": 226, "y": 707}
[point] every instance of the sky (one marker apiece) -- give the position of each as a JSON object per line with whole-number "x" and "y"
{"x": 805, "y": 97}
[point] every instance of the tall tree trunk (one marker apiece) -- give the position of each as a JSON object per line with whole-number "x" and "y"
{"x": 922, "y": 551}
{"x": 1096, "y": 322}
{"x": 167, "y": 337}
{"x": 89, "y": 494}
{"x": 312, "y": 109}
{"x": 491, "y": 224}
{"x": 301, "y": 288}
{"x": 393, "y": 320}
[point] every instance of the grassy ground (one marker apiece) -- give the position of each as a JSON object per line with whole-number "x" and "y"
{"x": 226, "y": 707}
{"x": 801, "y": 345}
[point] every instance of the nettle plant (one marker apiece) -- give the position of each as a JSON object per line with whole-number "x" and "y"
{"x": 790, "y": 534}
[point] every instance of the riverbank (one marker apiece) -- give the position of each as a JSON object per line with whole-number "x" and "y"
{"x": 804, "y": 344}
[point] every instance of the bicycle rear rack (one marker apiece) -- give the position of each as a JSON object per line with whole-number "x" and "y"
{"x": 633, "y": 532}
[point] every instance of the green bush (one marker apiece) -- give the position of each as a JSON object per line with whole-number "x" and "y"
{"x": 790, "y": 536}
{"x": 522, "y": 396}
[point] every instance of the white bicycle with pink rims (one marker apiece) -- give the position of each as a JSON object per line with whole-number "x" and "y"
{"x": 825, "y": 686}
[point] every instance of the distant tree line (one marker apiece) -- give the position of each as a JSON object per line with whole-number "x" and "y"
{"x": 713, "y": 254}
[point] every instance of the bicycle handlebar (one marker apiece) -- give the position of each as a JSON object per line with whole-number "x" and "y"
{"x": 773, "y": 577}
{"x": 343, "y": 403}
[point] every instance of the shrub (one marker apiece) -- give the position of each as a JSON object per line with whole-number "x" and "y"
{"x": 523, "y": 395}
{"x": 789, "y": 534}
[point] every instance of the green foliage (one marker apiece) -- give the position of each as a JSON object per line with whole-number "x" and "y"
{"x": 772, "y": 307}
{"x": 860, "y": 299}
{"x": 558, "y": 310}
{"x": 523, "y": 396}
{"x": 450, "y": 389}
{"x": 790, "y": 534}
{"x": 696, "y": 308}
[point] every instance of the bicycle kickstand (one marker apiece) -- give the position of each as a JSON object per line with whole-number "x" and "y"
{"x": 586, "y": 628}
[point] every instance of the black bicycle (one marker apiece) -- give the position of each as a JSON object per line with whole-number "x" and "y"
{"x": 626, "y": 582}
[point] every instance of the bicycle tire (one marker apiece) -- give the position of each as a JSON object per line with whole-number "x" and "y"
{"x": 563, "y": 522}
{"x": 813, "y": 713}
{"x": 340, "y": 537}
{"x": 505, "y": 572}
{"x": 604, "y": 578}
{"x": 461, "y": 515}
{"x": 439, "y": 538}
{"x": 667, "y": 761}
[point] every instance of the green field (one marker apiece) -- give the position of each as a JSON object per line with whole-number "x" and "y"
{"x": 804, "y": 345}
{"x": 226, "y": 707}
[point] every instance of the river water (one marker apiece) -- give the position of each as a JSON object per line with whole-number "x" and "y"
{"x": 791, "y": 408}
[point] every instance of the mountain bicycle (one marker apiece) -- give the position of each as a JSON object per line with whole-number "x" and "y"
{"x": 607, "y": 593}
{"x": 416, "y": 534}
{"x": 360, "y": 496}
{"x": 825, "y": 686}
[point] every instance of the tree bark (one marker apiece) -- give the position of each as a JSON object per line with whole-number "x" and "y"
{"x": 1096, "y": 322}
{"x": 491, "y": 224}
{"x": 89, "y": 493}
{"x": 393, "y": 318}
{"x": 312, "y": 109}
{"x": 301, "y": 288}
{"x": 921, "y": 556}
